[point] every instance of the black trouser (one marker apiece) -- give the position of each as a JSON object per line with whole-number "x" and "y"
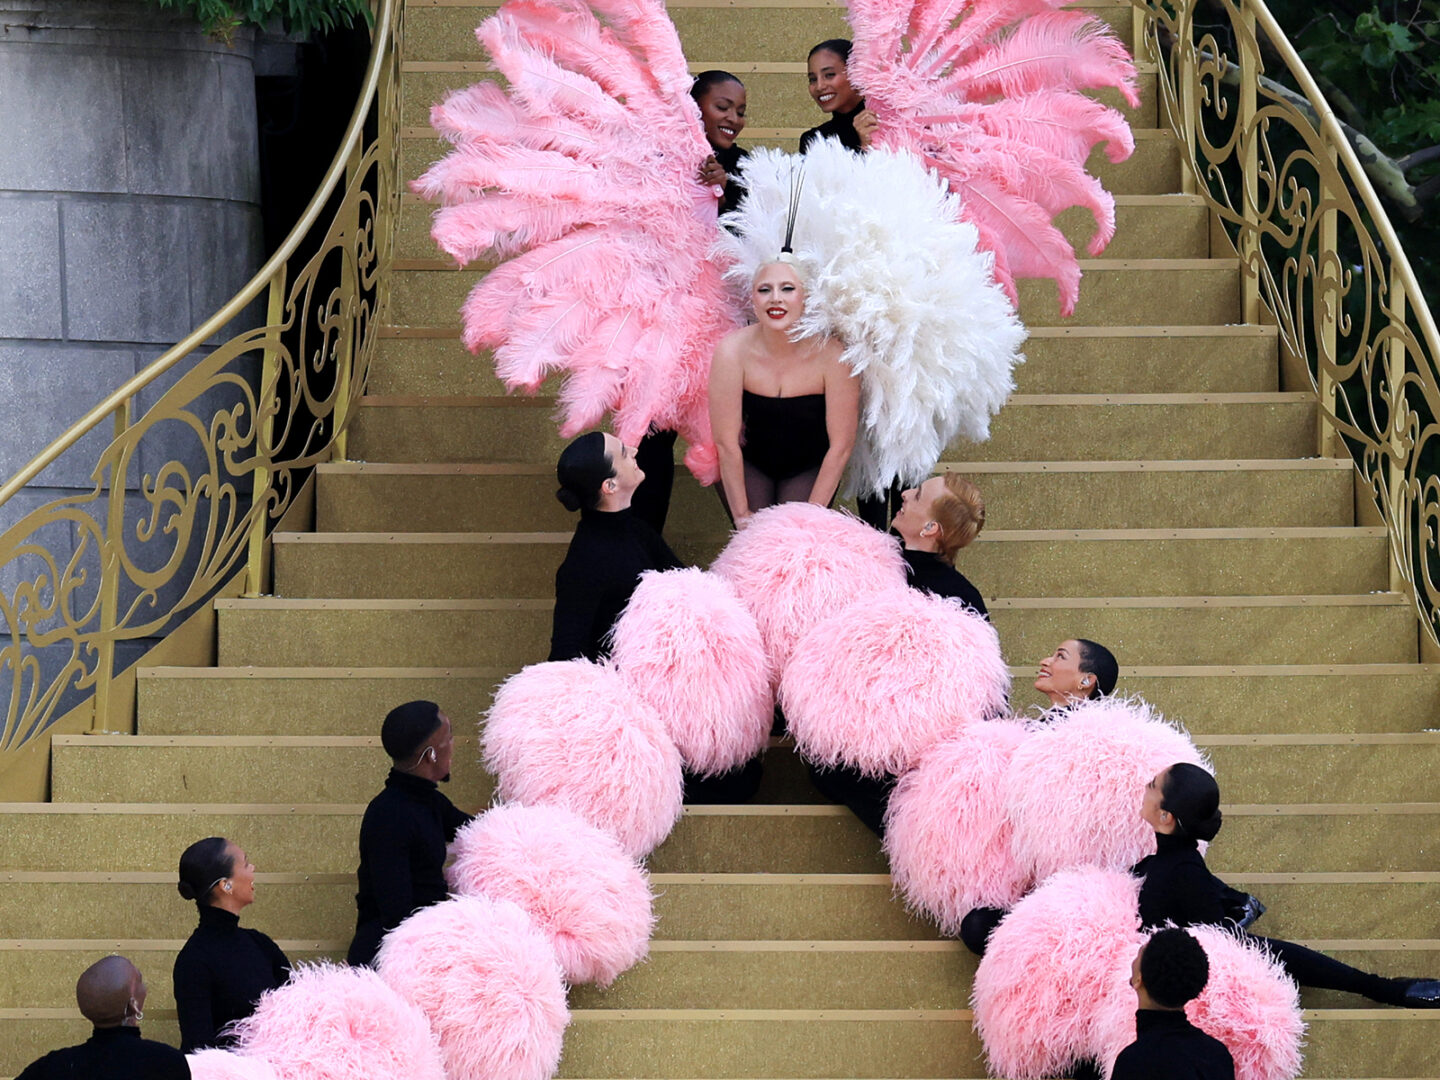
{"x": 1306, "y": 966}
{"x": 738, "y": 785}
{"x": 879, "y": 510}
{"x": 656, "y": 457}
{"x": 866, "y": 796}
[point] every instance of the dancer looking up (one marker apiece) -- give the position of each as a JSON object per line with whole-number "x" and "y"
{"x": 111, "y": 995}
{"x": 1169, "y": 970}
{"x": 783, "y": 412}
{"x": 223, "y": 968}
{"x": 611, "y": 548}
{"x": 1078, "y": 670}
{"x": 829, "y": 78}
{"x": 936, "y": 520}
{"x": 1182, "y": 805}
{"x": 721, "y": 97}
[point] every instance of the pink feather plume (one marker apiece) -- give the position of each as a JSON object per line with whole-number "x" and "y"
{"x": 581, "y": 172}
{"x": 990, "y": 94}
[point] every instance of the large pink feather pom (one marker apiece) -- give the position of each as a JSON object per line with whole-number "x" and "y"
{"x": 574, "y": 881}
{"x": 946, "y": 831}
{"x": 1074, "y": 790}
{"x": 877, "y": 685}
{"x": 796, "y": 564}
{"x": 690, "y": 649}
{"x": 1251, "y": 1005}
{"x": 330, "y": 1022}
{"x": 489, "y": 982}
{"x": 226, "y": 1065}
{"x": 573, "y": 734}
{"x": 1063, "y": 949}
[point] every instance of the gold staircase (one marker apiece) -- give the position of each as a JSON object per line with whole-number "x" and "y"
{"x": 1153, "y": 485}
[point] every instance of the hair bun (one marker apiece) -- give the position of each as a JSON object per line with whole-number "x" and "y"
{"x": 186, "y": 890}
{"x": 568, "y": 499}
{"x": 1207, "y": 829}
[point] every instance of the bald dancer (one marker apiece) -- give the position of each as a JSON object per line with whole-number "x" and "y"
{"x": 111, "y": 995}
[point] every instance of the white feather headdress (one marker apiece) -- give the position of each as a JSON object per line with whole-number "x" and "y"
{"x": 889, "y": 269}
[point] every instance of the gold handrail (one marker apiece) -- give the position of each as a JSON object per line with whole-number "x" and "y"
{"x": 1319, "y": 256}
{"x": 232, "y": 435}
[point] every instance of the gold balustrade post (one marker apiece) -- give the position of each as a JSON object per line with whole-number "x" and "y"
{"x": 266, "y": 403}
{"x": 350, "y": 292}
{"x": 1395, "y": 362}
{"x": 109, "y": 553}
{"x": 1328, "y": 298}
{"x": 1250, "y": 255}
{"x": 1183, "y": 52}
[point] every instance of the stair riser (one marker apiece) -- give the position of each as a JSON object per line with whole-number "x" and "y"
{"x": 814, "y": 911}
{"x": 788, "y": 843}
{"x": 1276, "y": 566}
{"x": 521, "y": 432}
{"x": 349, "y": 502}
{"x": 1186, "y": 296}
{"x": 328, "y": 774}
{"x": 1110, "y": 364}
{"x": 816, "y": 1046}
{"x": 1222, "y": 704}
{"x": 715, "y": 35}
{"x": 1295, "y": 634}
{"x": 773, "y": 99}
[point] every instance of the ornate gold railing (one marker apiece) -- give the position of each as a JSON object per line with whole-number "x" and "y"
{"x": 186, "y": 492}
{"x": 1319, "y": 256}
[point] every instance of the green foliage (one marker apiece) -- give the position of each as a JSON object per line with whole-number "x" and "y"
{"x": 221, "y": 18}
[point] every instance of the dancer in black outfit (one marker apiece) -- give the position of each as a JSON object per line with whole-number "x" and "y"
{"x": 611, "y": 547}
{"x": 406, "y": 828}
{"x": 1182, "y": 805}
{"x": 721, "y": 97}
{"x": 223, "y": 968}
{"x": 1169, "y": 970}
{"x": 111, "y": 995}
{"x": 937, "y": 519}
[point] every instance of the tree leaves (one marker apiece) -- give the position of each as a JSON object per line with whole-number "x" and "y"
{"x": 221, "y": 18}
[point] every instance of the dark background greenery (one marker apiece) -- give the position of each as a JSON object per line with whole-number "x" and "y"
{"x": 222, "y": 17}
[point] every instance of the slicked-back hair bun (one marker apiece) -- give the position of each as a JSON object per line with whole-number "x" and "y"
{"x": 1097, "y": 660}
{"x": 1192, "y": 797}
{"x": 582, "y": 468}
{"x": 203, "y": 865}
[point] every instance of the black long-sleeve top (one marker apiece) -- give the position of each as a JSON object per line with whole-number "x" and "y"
{"x": 114, "y": 1053}
{"x": 933, "y": 574}
{"x": 608, "y": 553}
{"x": 220, "y": 974}
{"x": 1178, "y": 886}
{"x": 730, "y": 160}
{"x": 403, "y": 837}
{"x": 1168, "y": 1047}
{"x": 840, "y": 126}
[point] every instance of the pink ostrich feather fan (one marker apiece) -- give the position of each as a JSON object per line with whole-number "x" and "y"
{"x": 579, "y": 178}
{"x": 489, "y": 982}
{"x": 878, "y": 684}
{"x": 226, "y": 1065}
{"x": 796, "y": 564}
{"x": 330, "y": 1022}
{"x": 574, "y": 734}
{"x": 1049, "y": 969}
{"x": 576, "y": 882}
{"x": 946, "y": 831}
{"x": 1074, "y": 790}
{"x": 991, "y": 95}
{"x": 691, "y": 649}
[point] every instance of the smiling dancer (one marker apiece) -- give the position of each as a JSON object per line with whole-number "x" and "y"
{"x": 721, "y": 97}
{"x": 830, "y": 88}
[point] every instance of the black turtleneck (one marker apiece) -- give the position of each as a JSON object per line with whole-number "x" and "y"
{"x": 219, "y": 976}
{"x": 1177, "y": 885}
{"x": 840, "y": 126}
{"x": 402, "y": 857}
{"x": 111, "y": 1053}
{"x": 1168, "y": 1047}
{"x": 608, "y": 553}
{"x": 933, "y": 574}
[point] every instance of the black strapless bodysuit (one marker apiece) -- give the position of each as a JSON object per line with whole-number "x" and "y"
{"x": 783, "y": 436}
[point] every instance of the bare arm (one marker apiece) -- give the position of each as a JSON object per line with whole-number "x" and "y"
{"x": 842, "y": 418}
{"x": 727, "y": 384}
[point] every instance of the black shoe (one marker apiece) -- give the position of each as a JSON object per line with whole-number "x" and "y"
{"x": 1422, "y": 994}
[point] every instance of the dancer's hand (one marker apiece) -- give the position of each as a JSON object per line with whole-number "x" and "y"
{"x": 712, "y": 173}
{"x": 865, "y": 124}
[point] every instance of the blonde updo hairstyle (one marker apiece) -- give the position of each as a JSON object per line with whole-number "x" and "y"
{"x": 959, "y": 510}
